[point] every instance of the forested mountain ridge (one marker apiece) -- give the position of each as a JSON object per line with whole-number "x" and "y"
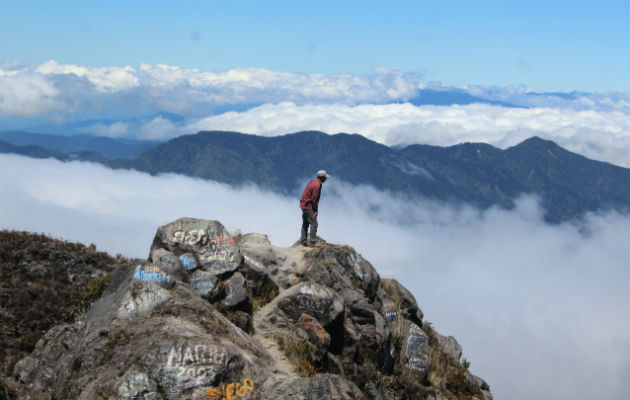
{"x": 568, "y": 184}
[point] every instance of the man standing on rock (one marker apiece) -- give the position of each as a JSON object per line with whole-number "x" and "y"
{"x": 308, "y": 204}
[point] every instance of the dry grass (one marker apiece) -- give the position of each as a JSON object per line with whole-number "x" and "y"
{"x": 397, "y": 327}
{"x": 298, "y": 353}
{"x": 44, "y": 282}
{"x": 403, "y": 384}
{"x": 80, "y": 302}
{"x": 447, "y": 375}
{"x": 327, "y": 251}
{"x": 267, "y": 292}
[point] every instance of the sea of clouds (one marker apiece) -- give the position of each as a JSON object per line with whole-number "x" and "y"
{"x": 601, "y": 135}
{"x": 540, "y": 310}
{"x": 161, "y": 102}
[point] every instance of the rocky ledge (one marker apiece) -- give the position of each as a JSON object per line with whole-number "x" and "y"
{"x": 215, "y": 316}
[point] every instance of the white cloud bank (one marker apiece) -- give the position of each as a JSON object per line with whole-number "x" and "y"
{"x": 161, "y": 102}
{"x": 26, "y": 93}
{"x": 601, "y": 135}
{"x": 84, "y": 90}
{"x": 179, "y": 90}
{"x": 538, "y": 309}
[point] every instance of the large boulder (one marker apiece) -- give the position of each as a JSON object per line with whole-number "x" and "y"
{"x": 208, "y": 243}
{"x": 415, "y": 352}
{"x": 400, "y": 300}
{"x": 307, "y": 311}
{"x": 209, "y": 316}
{"x": 450, "y": 347}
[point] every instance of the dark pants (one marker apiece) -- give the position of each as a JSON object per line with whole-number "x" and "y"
{"x": 308, "y": 218}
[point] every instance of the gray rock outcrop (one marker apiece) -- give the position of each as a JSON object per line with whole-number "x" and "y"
{"x": 211, "y": 316}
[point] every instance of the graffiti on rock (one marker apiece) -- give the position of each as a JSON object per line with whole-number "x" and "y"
{"x": 390, "y": 311}
{"x": 231, "y": 391}
{"x": 222, "y": 240}
{"x": 151, "y": 273}
{"x": 211, "y": 243}
{"x": 143, "y": 301}
{"x": 208, "y": 256}
{"x": 190, "y": 238}
{"x": 417, "y": 364}
{"x": 313, "y": 305}
{"x": 188, "y": 261}
{"x": 306, "y": 289}
{"x": 201, "y": 234}
{"x": 135, "y": 386}
{"x": 416, "y": 350}
{"x": 190, "y": 225}
{"x": 295, "y": 306}
{"x": 202, "y": 282}
{"x": 314, "y": 326}
{"x": 164, "y": 258}
{"x": 198, "y": 362}
{"x": 355, "y": 261}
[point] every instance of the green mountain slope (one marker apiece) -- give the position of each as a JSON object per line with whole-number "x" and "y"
{"x": 569, "y": 182}
{"x": 475, "y": 173}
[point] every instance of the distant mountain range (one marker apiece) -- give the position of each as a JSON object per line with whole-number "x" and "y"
{"x": 36, "y": 151}
{"x": 80, "y": 144}
{"x": 453, "y": 97}
{"x": 475, "y": 173}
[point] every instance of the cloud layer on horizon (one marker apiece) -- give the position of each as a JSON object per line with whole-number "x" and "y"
{"x": 536, "y": 307}
{"x": 88, "y": 91}
{"x": 160, "y": 102}
{"x": 76, "y": 91}
{"x": 599, "y": 135}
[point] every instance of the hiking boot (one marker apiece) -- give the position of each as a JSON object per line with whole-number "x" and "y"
{"x": 314, "y": 245}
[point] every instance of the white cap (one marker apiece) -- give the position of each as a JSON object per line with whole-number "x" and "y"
{"x": 323, "y": 173}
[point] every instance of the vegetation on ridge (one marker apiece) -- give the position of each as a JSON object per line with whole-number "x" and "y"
{"x": 44, "y": 282}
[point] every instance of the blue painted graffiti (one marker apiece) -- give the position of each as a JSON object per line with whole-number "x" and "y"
{"x": 188, "y": 262}
{"x": 390, "y": 311}
{"x": 151, "y": 273}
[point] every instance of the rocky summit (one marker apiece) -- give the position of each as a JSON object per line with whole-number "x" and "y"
{"x": 210, "y": 315}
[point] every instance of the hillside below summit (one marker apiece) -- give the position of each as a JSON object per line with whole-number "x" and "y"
{"x": 44, "y": 282}
{"x": 213, "y": 316}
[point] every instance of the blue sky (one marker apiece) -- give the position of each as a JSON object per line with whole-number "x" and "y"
{"x": 157, "y": 70}
{"x": 544, "y": 45}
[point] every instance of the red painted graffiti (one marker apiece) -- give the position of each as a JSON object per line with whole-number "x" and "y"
{"x": 221, "y": 240}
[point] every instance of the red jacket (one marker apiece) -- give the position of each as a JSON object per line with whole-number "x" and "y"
{"x": 310, "y": 197}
